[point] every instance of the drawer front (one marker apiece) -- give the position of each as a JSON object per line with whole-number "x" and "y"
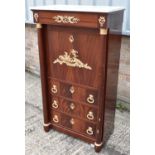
{"x": 78, "y": 125}
{"x": 89, "y": 113}
{"x": 74, "y": 92}
{"x": 71, "y": 108}
{"x": 67, "y": 19}
{"x": 74, "y": 124}
{"x": 79, "y": 110}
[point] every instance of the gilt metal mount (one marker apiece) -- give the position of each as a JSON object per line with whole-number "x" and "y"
{"x": 38, "y": 26}
{"x": 71, "y": 58}
{"x": 101, "y": 21}
{"x": 66, "y": 19}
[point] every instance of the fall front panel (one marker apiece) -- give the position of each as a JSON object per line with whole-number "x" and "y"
{"x": 75, "y": 55}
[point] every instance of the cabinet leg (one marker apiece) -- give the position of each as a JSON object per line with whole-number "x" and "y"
{"x": 98, "y": 147}
{"x": 47, "y": 127}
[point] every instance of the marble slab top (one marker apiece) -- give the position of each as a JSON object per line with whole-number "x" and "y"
{"x": 79, "y": 8}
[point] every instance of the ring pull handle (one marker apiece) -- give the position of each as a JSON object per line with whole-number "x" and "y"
{"x": 55, "y": 119}
{"x": 90, "y": 115}
{"x": 55, "y": 104}
{"x": 54, "y": 89}
{"x": 72, "y": 106}
{"x": 89, "y": 131}
{"x": 72, "y": 90}
{"x": 90, "y": 99}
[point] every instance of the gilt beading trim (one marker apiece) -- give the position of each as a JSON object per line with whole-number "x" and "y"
{"x": 103, "y": 31}
{"x": 46, "y": 124}
{"x": 96, "y": 144}
{"x": 66, "y": 19}
{"x": 38, "y": 26}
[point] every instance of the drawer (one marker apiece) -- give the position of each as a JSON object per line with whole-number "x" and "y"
{"x": 78, "y": 125}
{"x": 74, "y": 92}
{"x": 67, "y": 19}
{"x": 78, "y": 93}
{"x": 89, "y": 113}
{"x": 74, "y": 124}
{"x": 71, "y": 108}
{"x": 79, "y": 110}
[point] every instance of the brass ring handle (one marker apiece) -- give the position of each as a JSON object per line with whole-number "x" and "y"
{"x": 90, "y": 115}
{"x": 90, "y": 98}
{"x": 54, "y": 89}
{"x": 55, "y": 104}
{"x": 72, "y": 121}
{"x": 55, "y": 119}
{"x": 72, "y": 106}
{"x": 89, "y": 131}
{"x": 72, "y": 90}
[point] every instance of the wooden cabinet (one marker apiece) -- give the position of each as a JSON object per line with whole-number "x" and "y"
{"x": 79, "y": 51}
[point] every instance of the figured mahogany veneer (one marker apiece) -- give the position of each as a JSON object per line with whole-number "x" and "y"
{"x": 79, "y": 60}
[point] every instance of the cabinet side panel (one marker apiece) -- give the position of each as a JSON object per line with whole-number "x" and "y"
{"x": 113, "y": 56}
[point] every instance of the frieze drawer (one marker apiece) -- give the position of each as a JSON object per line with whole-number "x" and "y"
{"x": 66, "y": 19}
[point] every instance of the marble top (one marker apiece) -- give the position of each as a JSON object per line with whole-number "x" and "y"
{"x": 79, "y": 8}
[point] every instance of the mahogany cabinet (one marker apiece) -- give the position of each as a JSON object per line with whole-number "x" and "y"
{"x": 79, "y": 48}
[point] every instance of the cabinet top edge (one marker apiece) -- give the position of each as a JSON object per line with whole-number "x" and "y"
{"x": 78, "y": 8}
